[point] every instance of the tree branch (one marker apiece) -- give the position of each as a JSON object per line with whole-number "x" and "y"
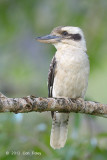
{"x": 32, "y": 103}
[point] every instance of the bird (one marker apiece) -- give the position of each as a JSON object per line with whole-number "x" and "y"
{"x": 68, "y": 75}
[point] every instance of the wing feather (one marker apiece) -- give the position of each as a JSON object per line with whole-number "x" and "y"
{"x": 51, "y": 76}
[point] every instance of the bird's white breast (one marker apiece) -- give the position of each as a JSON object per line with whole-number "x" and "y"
{"x": 72, "y": 70}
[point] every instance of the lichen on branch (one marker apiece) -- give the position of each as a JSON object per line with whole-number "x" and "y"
{"x": 39, "y": 104}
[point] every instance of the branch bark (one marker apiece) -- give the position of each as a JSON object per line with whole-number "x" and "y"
{"x": 32, "y": 103}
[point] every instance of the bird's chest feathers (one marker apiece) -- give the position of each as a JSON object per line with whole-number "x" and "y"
{"x": 71, "y": 77}
{"x": 71, "y": 63}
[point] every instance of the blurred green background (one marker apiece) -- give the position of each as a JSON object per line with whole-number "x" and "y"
{"x": 24, "y": 67}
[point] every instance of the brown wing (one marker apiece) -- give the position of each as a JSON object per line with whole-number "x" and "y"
{"x": 51, "y": 75}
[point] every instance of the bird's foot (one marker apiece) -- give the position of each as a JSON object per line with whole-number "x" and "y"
{"x": 81, "y": 100}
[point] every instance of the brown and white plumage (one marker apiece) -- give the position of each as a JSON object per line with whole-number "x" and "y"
{"x": 68, "y": 75}
{"x": 60, "y": 120}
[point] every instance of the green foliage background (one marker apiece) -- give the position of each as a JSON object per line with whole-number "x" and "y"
{"x": 24, "y": 67}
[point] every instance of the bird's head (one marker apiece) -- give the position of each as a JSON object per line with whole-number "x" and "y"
{"x": 64, "y": 36}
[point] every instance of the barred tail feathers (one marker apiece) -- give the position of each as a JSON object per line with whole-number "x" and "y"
{"x": 59, "y": 130}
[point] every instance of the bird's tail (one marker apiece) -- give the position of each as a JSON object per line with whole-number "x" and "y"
{"x": 59, "y": 130}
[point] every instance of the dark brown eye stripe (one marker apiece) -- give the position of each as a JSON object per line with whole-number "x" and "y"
{"x": 76, "y": 37}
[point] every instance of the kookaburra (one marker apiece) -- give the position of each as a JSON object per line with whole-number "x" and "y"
{"x": 68, "y": 74}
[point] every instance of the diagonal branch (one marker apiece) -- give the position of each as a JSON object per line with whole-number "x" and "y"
{"x": 32, "y": 103}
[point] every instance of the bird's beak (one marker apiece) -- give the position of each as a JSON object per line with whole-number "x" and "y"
{"x": 48, "y": 39}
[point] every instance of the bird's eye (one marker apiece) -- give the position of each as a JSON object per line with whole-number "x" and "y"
{"x": 64, "y": 33}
